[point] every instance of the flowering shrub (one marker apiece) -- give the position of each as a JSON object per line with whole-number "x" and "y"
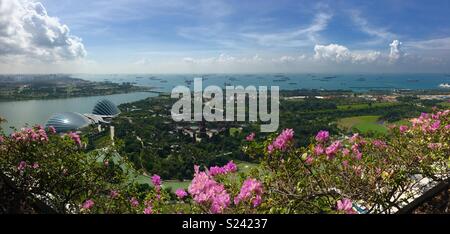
{"x": 346, "y": 174}
{"x": 54, "y": 169}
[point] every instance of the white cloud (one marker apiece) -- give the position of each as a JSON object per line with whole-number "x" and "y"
{"x": 395, "y": 53}
{"x": 296, "y": 38}
{"x": 380, "y": 35}
{"x": 432, "y": 44}
{"x": 341, "y": 54}
{"x": 27, "y": 31}
{"x": 142, "y": 61}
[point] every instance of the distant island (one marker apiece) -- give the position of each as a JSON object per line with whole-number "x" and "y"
{"x": 25, "y": 87}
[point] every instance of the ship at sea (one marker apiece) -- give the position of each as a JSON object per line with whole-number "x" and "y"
{"x": 444, "y": 85}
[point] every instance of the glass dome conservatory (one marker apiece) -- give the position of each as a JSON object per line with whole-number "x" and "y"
{"x": 67, "y": 121}
{"x": 106, "y": 108}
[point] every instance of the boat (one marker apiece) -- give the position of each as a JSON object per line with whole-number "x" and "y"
{"x": 412, "y": 80}
{"x": 444, "y": 85}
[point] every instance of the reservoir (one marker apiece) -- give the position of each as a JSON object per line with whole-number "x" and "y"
{"x": 31, "y": 112}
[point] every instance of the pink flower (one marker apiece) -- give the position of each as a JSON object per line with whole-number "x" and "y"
{"x": 270, "y": 148}
{"x": 230, "y": 166}
{"x": 403, "y": 128}
{"x": 358, "y": 155}
{"x": 35, "y": 165}
{"x": 434, "y": 146}
{"x": 345, "y": 205}
{"x": 318, "y": 150}
{"x": 181, "y": 193}
{"x": 354, "y": 138}
{"x": 251, "y": 190}
{"x": 156, "y": 180}
{"x": 379, "y": 144}
{"x": 345, "y": 152}
{"x": 2, "y": 139}
{"x": 333, "y": 149}
{"x": 88, "y": 204}
{"x": 435, "y": 126}
{"x": 148, "y": 210}
{"x": 205, "y": 190}
{"x": 282, "y": 140}
{"x": 52, "y": 130}
{"x": 113, "y": 194}
{"x": 322, "y": 136}
{"x": 134, "y": 202}
{"x": 447, "y": 127}
{"x": 215, "y": 170}
{"x": 22, "y": 165}
{"x": 309, "y": 160}
{"x": 75, "y": 137}
{"x": 345, "y": 164}
{"x": 250, "y": 137}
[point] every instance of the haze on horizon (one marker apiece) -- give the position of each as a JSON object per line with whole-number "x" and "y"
{"x": 219, "y": 36}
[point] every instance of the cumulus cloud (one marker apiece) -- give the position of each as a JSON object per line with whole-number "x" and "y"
{"x": 395, "y": 53}
{"x": 340, "y": 54}
{"x": 27, "y": 30}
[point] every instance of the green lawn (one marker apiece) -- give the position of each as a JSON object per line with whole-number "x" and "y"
{"x": 244, "y": 166}
{"x": 362, "y": 124}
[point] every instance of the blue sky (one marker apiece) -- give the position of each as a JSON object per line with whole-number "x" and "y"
{"x": 166, "y": 36}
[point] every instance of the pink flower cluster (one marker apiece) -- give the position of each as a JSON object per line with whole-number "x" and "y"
{"x": 430, "y": 123}
{"x": 1, "y": 139}
{"x": 434, "y": 146}
{"x": 52, "y": 130}
{"x": 88, "y": 204}
{"x": 23, "y": 165}
{"x": 337, "y": 146}
{"x": 345, "y": 205}
{"x": 251, "y": 190}
{"x": 331, "y": 150}
{"x": 282, "y": 140}
{"x": 148, "y": 210}
{"x": 229, "y": 167}
{"x": 403, "y": 128}
{"x": 36, "y": 134}
{"x": 156, "y": 181}
{"x": 75, "y": 137}
{"x": 134, "y": 202}
{"x": 113, "y": 194}
{"x": 205, "y": 190}
{"x": 379, "y": 144}
{"x": 250, "y": 137}
{"x": 322, "y": 136}
{"x": 181, "y": 193}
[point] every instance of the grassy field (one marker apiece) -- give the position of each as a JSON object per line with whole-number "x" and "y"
{"x": 362, "y": 124}
{"x": 365, "y": 105}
